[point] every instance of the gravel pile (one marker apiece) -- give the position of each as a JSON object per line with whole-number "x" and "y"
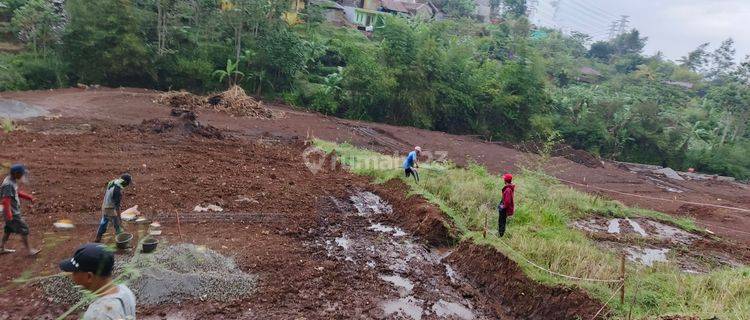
{"x": 186, "y": 271}
{"x": 60, "y": 289}
{"x": 171, "y": 275}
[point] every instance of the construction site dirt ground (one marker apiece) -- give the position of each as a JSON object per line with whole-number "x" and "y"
{"x": 131, "y": 106}
{"x": 317, "y": 252}
{"x": 293, "y": 229}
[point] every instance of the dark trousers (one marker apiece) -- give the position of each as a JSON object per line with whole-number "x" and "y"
{"x": 502, "y": 219}
{"x": 103, "y": 226}
{"x": 410, "y": 171}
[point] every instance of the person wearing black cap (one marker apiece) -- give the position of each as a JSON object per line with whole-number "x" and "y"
{"x": 111, "y": 205}
{"x": 91, "y": 268}
{"x": 14, "y": 222}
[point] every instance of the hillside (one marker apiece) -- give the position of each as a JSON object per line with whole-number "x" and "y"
{"x": 269, "y": 196}
{"x": 423, "y": 66}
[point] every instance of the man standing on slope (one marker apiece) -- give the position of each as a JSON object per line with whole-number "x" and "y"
{"x": 505, "y": 208}
{"x": 91, "y": 268}
{"x": 111, "y": 205}
{"x": 411, "y": 165}
{"x": 11, "y": 196}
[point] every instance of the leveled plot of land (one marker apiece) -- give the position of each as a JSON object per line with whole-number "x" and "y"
{"x": 131, "y": 106}
{"x": 319, "y": 246}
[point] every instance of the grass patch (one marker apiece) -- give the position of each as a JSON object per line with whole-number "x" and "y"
{"x": 7, "y": 125}
{"x": 539, "y": 232}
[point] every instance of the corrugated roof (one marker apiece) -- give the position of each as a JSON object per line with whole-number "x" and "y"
{"x": 394, "y": 5}
{"x": 590, "y": 71}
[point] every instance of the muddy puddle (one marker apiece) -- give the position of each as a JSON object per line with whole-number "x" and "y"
{"x": 650, "y": 242}
{"x": 423, "y": 285}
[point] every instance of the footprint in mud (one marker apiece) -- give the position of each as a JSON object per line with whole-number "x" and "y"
{"x": 403, "y": 285}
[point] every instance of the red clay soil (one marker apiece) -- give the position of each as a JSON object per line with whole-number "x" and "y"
{"x": 275, "y": 210}
{"x": 501, "y": 279}
{"x": 175, "y": 169}
{"x": 173, "y": 173}
{"x": 132, "y": 106}
{"x": 496, "y": 277}
{"x": 417, "y": 215}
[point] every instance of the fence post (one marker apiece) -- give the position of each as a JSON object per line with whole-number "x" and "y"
{"x": 622, "y": 279}
{"x": 484, "y": 232}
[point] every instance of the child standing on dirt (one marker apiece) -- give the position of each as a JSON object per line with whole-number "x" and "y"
{"x": 506, "y": 207}
{"x": 91, "y": 267}
{"x": 411, "y": 163}
{"x": 111, "y": 205}
{"x": 11, "y": 196}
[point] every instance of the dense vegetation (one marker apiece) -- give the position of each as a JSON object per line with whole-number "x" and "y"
{"x": 539, "y": 231}
{"x": 506, "y": 80}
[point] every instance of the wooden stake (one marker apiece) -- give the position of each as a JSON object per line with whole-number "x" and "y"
{"x": 136, "y": 234}
{"x": 484, "y": 233}
{"x": 622, "y": 278}
{"x": 179, "y": 231}
{"x": 635, "y": 296}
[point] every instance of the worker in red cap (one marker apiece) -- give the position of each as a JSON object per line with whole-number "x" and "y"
{"x": 505, "y": 208}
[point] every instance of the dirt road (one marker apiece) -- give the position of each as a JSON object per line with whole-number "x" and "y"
{"x": 131, "y": 106}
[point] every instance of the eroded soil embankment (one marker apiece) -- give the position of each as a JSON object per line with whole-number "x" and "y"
{"x": 497, "y": 277}
{"x": 504, "y": 282}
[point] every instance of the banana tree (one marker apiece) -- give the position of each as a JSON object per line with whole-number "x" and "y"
{"x": 231, "y": 73}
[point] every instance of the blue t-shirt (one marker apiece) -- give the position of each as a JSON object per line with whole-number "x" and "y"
{"x": 410, "y": 159}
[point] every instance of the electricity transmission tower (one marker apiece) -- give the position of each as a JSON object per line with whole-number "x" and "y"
{"x": 623, "y": 24}
{"x": 618, "y": 26}
{"x": 612, "y": 31}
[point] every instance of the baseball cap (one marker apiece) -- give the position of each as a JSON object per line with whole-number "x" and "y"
{"x": 18, "y": 169}
{"x": 418, "y": 148}
{"x": 90, "y": 257}
{"x": 127, "y": 178}
{"x": 508, "y": 177}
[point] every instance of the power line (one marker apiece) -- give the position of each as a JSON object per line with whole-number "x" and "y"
{"x": 595, "y": 9}
{"x": 584, "y": 22}
{"x": 567, "y": 25}
{"x": 581, "y": 16}
{"x": 572, "y": 15}
{"x": 586, "y": 16}
{"x": 594, "y": 15}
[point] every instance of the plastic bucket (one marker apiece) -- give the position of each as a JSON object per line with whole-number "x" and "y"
{"x": 149, "y": 245}
{"x": 123, "y": 240}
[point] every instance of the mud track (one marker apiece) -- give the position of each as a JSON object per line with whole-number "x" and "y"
{"x": 316, "y": 255}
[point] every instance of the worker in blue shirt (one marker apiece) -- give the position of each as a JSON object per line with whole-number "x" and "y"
{"x": 411, "y": 165}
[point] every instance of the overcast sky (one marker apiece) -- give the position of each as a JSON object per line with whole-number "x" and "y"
{"x": 672, "y": 26}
